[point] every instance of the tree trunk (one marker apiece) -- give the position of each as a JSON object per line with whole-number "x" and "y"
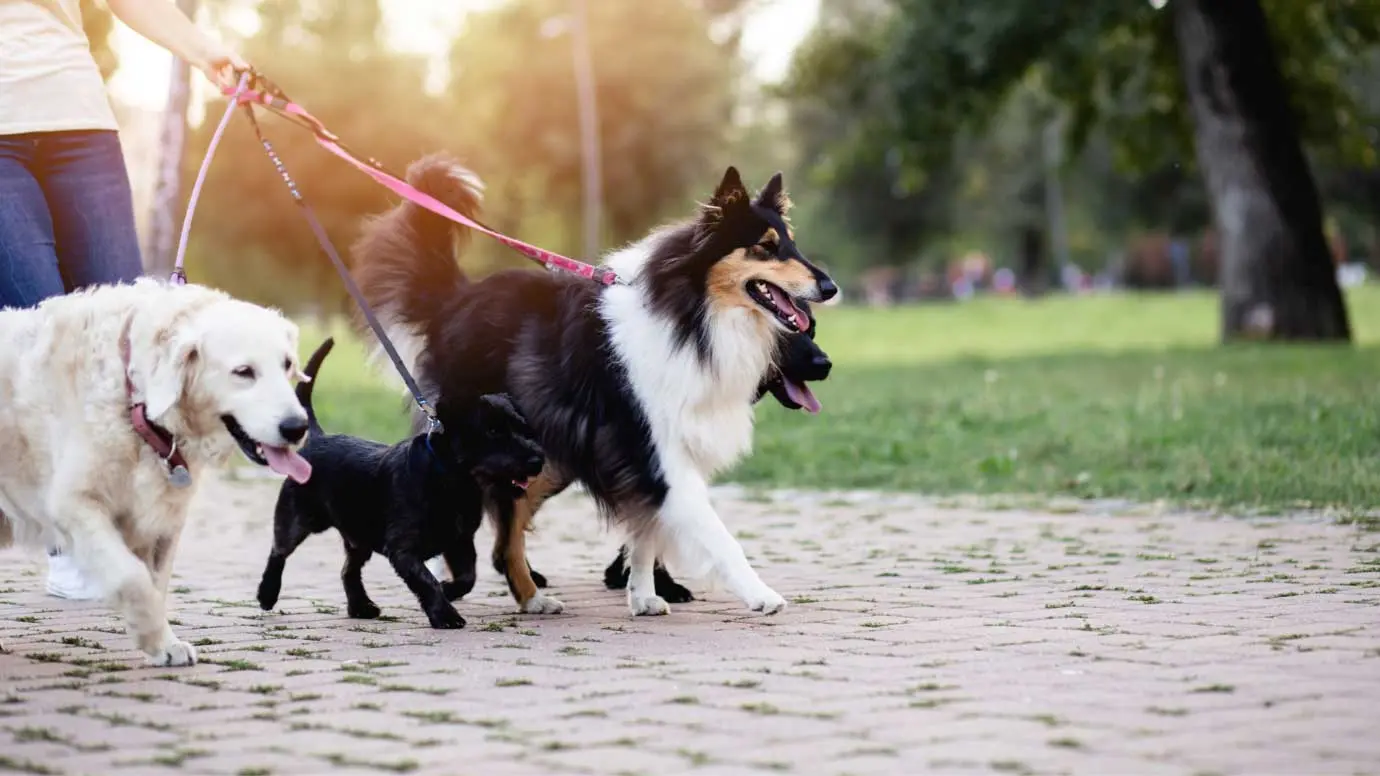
{"x": 160, "y": 244}
{"x": 1277, "y": 277}
{"x": 1033, "y": 274}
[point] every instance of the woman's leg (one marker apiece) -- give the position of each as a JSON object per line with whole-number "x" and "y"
{"x": 28, "y": 257}
{"x": 86, "y": 186}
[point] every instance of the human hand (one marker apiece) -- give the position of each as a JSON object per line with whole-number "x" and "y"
{"x": 220, "y": 64}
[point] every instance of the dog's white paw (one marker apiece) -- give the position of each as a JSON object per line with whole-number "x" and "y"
{"x": 542, "y": 604}
{"x": 647, "y": 606}
{"x": 174, "y": 653}
{"x": 768, "y": 601}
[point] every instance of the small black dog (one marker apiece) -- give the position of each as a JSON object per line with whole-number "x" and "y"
{"x": 408, "y": 502}
{"x": 800, "y": 361}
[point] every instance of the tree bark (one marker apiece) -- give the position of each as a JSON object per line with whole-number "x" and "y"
{"x": 161, "y": 241}
{"x": 1277, "y": 277}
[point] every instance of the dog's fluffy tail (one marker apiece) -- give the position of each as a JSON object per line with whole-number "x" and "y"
{"x": 405, "y": 259}
{"x": 304, "y": 388}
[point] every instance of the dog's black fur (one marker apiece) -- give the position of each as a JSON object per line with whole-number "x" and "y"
{"x": 801, "y": 361}
{"x": 408, "y": 502}
{"x": 538, "y": 336}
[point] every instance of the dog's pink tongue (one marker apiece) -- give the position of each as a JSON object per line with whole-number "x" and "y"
{"x": 801, "y": 394}
{"x": 287, "y": 463}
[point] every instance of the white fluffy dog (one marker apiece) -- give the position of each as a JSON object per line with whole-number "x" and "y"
{"x": 208, "y": 372}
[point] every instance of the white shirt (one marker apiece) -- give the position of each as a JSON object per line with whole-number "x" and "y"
{"x": 49, "y": 80}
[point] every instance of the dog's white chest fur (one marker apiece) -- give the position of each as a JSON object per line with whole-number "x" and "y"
{"x": 700, "y": 413}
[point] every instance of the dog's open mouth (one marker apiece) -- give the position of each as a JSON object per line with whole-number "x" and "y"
{"x": 770, "y": 297}
{"x": 801, "y": 394}
{"x": 283, "y": 460}
{"x": 520, "y": 484}
{"x": 796, "y": 393}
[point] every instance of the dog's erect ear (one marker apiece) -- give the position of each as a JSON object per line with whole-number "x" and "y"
{"x": 730, "y": 190}
{"x": 167, "y": 375}
{"x": 773, "y": 195}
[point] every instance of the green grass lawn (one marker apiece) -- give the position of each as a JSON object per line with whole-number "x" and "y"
{"x": 1121, "y": 396}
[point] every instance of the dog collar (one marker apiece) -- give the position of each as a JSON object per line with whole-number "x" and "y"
{"x": 163, "y": 443}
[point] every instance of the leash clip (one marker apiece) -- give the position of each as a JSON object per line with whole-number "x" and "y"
{"x": 433, "y": 423}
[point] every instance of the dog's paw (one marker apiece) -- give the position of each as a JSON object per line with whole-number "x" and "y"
{"x": 364, "y": 610}
{"x": 446, "y": 619}
{"x": 268, "y": 597}
{"x": 649, "y": 605}
{"x": 542, "y": 604}
{"x": 767, "y": 602}
{"x": 173, "y": 653}
{"x": 675, "y": 593}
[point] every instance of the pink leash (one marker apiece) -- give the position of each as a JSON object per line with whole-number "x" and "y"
{"x": 331, "y": 142}
{"x": 179, "y": 273}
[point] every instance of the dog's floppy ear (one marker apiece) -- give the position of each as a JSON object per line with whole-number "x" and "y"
{"x": 166, "y": 376}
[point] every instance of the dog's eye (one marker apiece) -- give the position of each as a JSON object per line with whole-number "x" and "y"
{"x": 246, "y": 372}
{"x": 287, "y": 365}
{"x": 769, "y": 247}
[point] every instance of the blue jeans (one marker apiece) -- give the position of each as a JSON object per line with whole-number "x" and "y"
{"x": 66, "y": 215}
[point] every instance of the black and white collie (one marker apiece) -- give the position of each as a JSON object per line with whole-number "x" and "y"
{"x": 642, "y": 390}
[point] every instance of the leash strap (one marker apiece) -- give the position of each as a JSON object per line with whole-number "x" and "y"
{"x": 264, "y": 93}
{"x": 179, "y": 273}
{"x": 433, "y": 422}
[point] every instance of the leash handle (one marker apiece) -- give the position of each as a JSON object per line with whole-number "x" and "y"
{"x": 179, "y": 273}
{"x": 433, "y": 422}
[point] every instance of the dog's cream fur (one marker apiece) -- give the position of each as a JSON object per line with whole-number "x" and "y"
{"x": 73, "y": 472}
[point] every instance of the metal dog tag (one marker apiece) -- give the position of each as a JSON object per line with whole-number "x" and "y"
{"x": 179, "y": 477}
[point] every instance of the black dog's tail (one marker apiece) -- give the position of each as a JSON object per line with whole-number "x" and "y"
{"x": 304, "y": 388}
{"x": 405, "y": 259}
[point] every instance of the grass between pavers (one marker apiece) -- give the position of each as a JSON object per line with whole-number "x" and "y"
{"x": 1125, "y": 396}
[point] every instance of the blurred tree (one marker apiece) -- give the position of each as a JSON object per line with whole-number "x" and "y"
{"x": 850, "y": 147}
{"x": 665, "y": 93}
{"x": 1351, "y": 185}
{"x": 1153, "y": 78}
{"x": 248, "y": 237}
{"x": 160, "y": 246}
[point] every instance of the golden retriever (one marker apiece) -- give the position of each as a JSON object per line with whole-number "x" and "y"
{"x": 214, "y": 372}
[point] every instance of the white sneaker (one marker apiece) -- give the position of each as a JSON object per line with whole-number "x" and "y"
{"x": 66, "y": 581}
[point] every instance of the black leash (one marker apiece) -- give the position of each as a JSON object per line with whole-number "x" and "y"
{"x": 433, "y": 422}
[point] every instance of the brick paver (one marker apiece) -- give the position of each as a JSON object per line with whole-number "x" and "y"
{"x": 921, "y": 639}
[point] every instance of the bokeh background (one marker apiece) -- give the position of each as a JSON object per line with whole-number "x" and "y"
{"x": 1103, "y": 250}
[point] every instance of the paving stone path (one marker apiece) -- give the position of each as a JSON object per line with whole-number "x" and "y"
{"x": 920, "y": 639}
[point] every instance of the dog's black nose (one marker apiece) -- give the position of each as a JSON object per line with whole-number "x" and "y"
{"x": 827, "y": 289}
{"x": 293, "y": 429}
{"x": 535, "y": 463}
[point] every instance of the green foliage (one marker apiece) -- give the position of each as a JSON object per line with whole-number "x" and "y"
{"x": 1111, "y": 64}
{"x": 929, "y": 114}
{"x": 849, "y": 143}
